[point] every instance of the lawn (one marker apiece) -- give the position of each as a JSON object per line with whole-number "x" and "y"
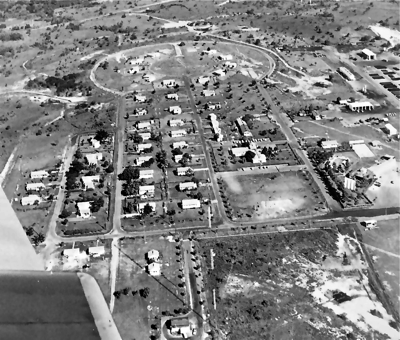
{"x": 133, "y": 314}
{"x": 266, "y": 196}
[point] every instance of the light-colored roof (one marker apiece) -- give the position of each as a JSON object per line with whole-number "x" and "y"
{"x": 185, "y": 168}
{"x": 72, "y": 252}
{"x": 40, "y": 173}
{"x": 149, "y": 171}
{"x": 190, "y": 201}
{"x": 97, "y": 250}
{"x": 368, "y": 52}
{"x": 30, "y": 198}
{"x": 153, "y": 253}
{"x": 83, "y": 207}
{"x": 187, "y": 185}
{"x": 146, "y": 188}
{"x": 34, "y": 185}
{"x": 93, "y": 157}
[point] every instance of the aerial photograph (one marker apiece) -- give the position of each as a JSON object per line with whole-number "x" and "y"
{"x": 199, "y": 169}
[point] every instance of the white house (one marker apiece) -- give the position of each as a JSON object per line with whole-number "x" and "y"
{"x": 145, "y": 135}
{"x": 360, "y": 106}
{"x": 191, "y": 204}
{"x": 230, "y": 65}
{"x": 146, "y": 174}
{"x": 177, "y": 158}
{"x": 213, "y": 106}
{"x": 133, "y": 70}
{"x": 147, "y": 190}
{"x": 71, "y": 253}
{"x": 368, "y": 54}
{"x": 142, "y": 159}
{"x": 141, "y": 205}
{"x": 181, "y": 171}
{"x": 169, "y": 82}
{"x": 140, "y": 111}
{"x": 30, "y": 199}
{"x": 179, "y": 145}
{"x": 178, "y": 133}
{"x": 39, "y": 174}
{"x": 176, "y": 110}
{"x": 95, "y": 143}
{"x": 225, "y": 57}
{"x": 145, "y": 124}
{"x": 390, "y": 129}
{"x": 176, "y": 122}
{"x": 210, "y": 52}
{"x": 35, "y": 186}
{"x": 346, "y": 73}
{"x": 172, "y": 96}
{"x": 96, "y": 251}
{"x": 181, "y": 328}
{"x": 219, "y": 73}
{"x": 239, "y": 152}
{"x": 149, "y": 77}
{"x": 139, "y": 98}
{"x": 187, "y": 186}
{"x": 208, "y": 93}
{"x": 142, "y": 147}
{"x": 88, "y": 181}
{"x": 93, "y": 158}
{"x": 203, "y": 79}
{"x": 154, "y": 269}
{"x": 329, "y": 144}
{"x": 84, "y": 209}
{"x": 153, "y": 255}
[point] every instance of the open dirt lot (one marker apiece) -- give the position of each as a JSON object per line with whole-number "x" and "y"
{"x": 134, "y": 314}
{"x": 265, "y": 196}
{"x": 294, "y": 286}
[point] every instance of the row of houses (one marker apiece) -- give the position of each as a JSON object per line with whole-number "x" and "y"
{"x": 73, "y": 253}
{"x": 215, "y": 126}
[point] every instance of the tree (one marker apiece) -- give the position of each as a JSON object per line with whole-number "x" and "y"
{"x": 96, "y": 204}
{"x": 144, "y": 292}
{"x": 129, "y": 174}
{"x": 136, "y": 138}
{"x": 37, "y": 239}
{"x": 249, "y": 155}
{"x": 65, "y": 213}
{"x": 161, "y": 158}
{"x": 110, "y": 168}
{"x": 78, "y": 153}
{"x": 29, "y": 231}
{"x": 199, "y": 196}
{"x": 147, "y": 209}
{"x": 101, "y": 135}
{"x": 338, "y": 100}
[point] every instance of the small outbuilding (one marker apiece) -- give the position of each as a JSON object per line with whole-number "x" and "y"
{"x": 154, "y": 269}
{"x": 368, "y": 54}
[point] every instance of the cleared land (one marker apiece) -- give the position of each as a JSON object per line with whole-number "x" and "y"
{"x": 265, "y": 196}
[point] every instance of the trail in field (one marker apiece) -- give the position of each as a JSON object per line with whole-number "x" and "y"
{"x": 381, "y": 250}
{"x": 354, "y": 135}
{"x": 113, "y": 270}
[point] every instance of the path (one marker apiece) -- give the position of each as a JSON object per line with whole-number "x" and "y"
{"x": 114, "y": 262}
{"x": 8, "y": 166}
{"x": 57, "y": 118}
{"x": 66, "y": 100}
{"x": 381, "y": 250}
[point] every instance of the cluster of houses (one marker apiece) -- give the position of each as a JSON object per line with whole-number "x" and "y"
{"x": 74, "y": 253}
{"x": 257, "y": 156}
{"x": 34, "y": 199}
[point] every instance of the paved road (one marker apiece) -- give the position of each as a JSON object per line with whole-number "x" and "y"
{"x": 283, "y": 121}
{"x": 207, "y": 154}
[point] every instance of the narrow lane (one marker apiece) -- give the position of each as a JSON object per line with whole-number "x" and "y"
{"x": 207, "y": 154}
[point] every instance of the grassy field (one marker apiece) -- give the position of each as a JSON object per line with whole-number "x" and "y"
{"x": 273, "y": 286}
{"x": 265, "y": 196}
{"x": 134, "y": 314}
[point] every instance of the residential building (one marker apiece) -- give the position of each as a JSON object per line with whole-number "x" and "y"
{"x": 243, "y": 128}
{"x": 39, "y": 174}
{"x": 169, "y": 82}
{"x": 93, "y": 158}
{"x": 181, "y": 327}
{"x": 84, "y": 209}
{"x": 143, "y": 146}
{"x": 368, "y": 54}
{"x": 219, "y": 73}
{"x": 145, "y": 135}
{"x": 153, "y": 255}
{"x": 191, "y": 204}
{"x": 213, "y": 106}
{"x": 147, "y": 190}
{"x": 89, "y": 181}
{"x": 183, "y": 170}
{"x": 35, "y": 186}
{"x": 360, "y": 106}
{"x": 210, "y": 52}
{"x": 177, "y": 158}
{"x": 179, "y": 145}
{"x": 346, "y": 73}
{"x": 230, "y": 64}
{"x": 95, "y": 143}
{"x": 139, "y": 98}
{"x": 145, "y": 124}
{"x": 146, "y": 174}
{"x": 208, "y": 93}
{"x": 140, "y": 111}
{"x": 329, "y": 144}
{"x": 203, "y": 80}
{"x": 176, "y": 110}
{"x": 187, "y": 186}
{"x": 142, "y": 159}
{"x": 390, "y": 129}
{"x": 225, "y": 57}
{"x": 239, "y": 152}
{"x": 72, "y": 253}
{"x": 172, "y": 96}
{"x": 252, "y": 73}
{"x": 96, "y": 251}
{"x": 349, "y": 183}
{"x": 149, "y": 77}
{"x": 178, "y": 133}
{"x": 215, "y": 126}
{"x": 154, "y": 269}
{"x": 176, "y": 122}
{"x": 141, "y": 205}
{"x": 134, "y": 69}
{"x": 31, "y": 200}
